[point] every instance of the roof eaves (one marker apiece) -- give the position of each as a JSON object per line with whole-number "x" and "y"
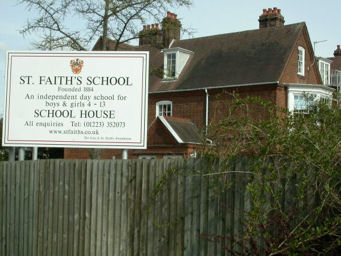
{"x": 309, "y": 86}
{"x": 215, "y": 87}
{"x": 175, "y": 49}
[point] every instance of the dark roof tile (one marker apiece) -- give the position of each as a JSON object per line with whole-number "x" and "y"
{"x": 248, "y": 57}
{"x": 185, "y": 129}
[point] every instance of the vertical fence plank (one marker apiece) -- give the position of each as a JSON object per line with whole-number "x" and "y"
{"x": 117, "y": 223}
{"x": 40, "y": 208}
{"x": 21, "y": 209}
{"x": 188, "y": 215}
{"x": 79, "y": 181}
{"x": 111, "y": 202}
{"x": 50, "y": 208}
{"x": 10, "y": 209}
{"x": 203, "y": 214}
{"x": 158, "y": 205}
{"x": 88, "y": 190}
{"x": 2, "y": 209}
{"x": 151, "y": 208}
{"x": 55, "y": 211}
{"x": 45, "y": 196}
{"x": 16, "y": 222}
{"x": 144, "y": 213}
{"x": 137, "y": 216}
{"x": 33, "y": 207}
{"x": 131, "y": 207}
{"x": 93, "y": 221}
{"x": 71, "y": 214}
{"x": 173, "y": 210}
{"x": 180, "y": 206}
{"x": 99, "y": 198}
{"x": 196, "y": 189}
{"x": 105, "y": 217}
{"x": 229, "y": 213}
{"x": 65, "y": 193}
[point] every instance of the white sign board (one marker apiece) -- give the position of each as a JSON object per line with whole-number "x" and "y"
{"x": 76, "y": 99}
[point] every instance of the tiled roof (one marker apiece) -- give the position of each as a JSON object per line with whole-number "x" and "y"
{"x": 183, "y": 130}
{"x": 248, "y": 57}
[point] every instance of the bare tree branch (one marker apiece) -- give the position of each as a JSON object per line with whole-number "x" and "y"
{"x": 75, "y": 24}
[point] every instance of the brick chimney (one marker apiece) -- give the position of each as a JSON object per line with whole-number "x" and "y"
{"x": 171, "y": 27}
{"x": 337, "y": 52}
{"x": 160, "y": 38}
{"x": 152, "y": 35}
{"x": 271, "y": 18}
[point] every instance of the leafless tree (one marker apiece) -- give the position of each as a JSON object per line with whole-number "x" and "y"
{"x": 75, "y": 24}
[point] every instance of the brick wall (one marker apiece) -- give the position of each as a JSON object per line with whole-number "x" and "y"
{"x": 189, "y": 105}
{"x": 311, "y": 75}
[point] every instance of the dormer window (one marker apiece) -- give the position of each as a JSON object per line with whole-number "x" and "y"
{"x": 300, "y": 61}
{"x": 174, "y": 61}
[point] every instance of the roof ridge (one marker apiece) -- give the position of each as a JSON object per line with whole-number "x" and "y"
{"x": 239, "y": 32}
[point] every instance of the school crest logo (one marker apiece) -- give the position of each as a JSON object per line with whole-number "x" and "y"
{"x": 76, "y": 66}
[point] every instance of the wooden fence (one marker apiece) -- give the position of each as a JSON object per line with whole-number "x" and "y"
{"x": 135, "y": 207}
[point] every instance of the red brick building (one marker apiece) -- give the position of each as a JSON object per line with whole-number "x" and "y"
{"x": 189, "y": 78}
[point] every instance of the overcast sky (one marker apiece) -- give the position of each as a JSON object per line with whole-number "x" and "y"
{"x": 205, "y": 17}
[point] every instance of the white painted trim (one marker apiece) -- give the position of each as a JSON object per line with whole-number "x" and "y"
{"x": 309, "y": 86}
{"x": 177, "y": 49}
{"x": 207, "y": 109}
{"x": 169, "y": 127}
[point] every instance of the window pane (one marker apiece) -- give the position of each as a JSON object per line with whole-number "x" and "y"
{"x": 171, "y": 64}
{"x": 299, "y": 102}
{"x": 164, "y": 109}
{"x": 300, "y": 61}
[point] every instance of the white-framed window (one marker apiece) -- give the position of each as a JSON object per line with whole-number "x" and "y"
{"x": 324, "y": 68}
{"x": 171, "y": 65}
{"x": 164, "y": 108}
{"x": 300, "y": 61}
{"x": 302, "y": 96}
{"x": 336, "y": 79}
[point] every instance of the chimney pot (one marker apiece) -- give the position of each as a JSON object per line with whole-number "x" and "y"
{"x": 157, "y": 26}
{"x": 271, "y": 18}
{"x": 148, "y": 27}
{"x": 144, "y": 27}
{"x": 152, "y": 26}
{"x": 338, "y": 47}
